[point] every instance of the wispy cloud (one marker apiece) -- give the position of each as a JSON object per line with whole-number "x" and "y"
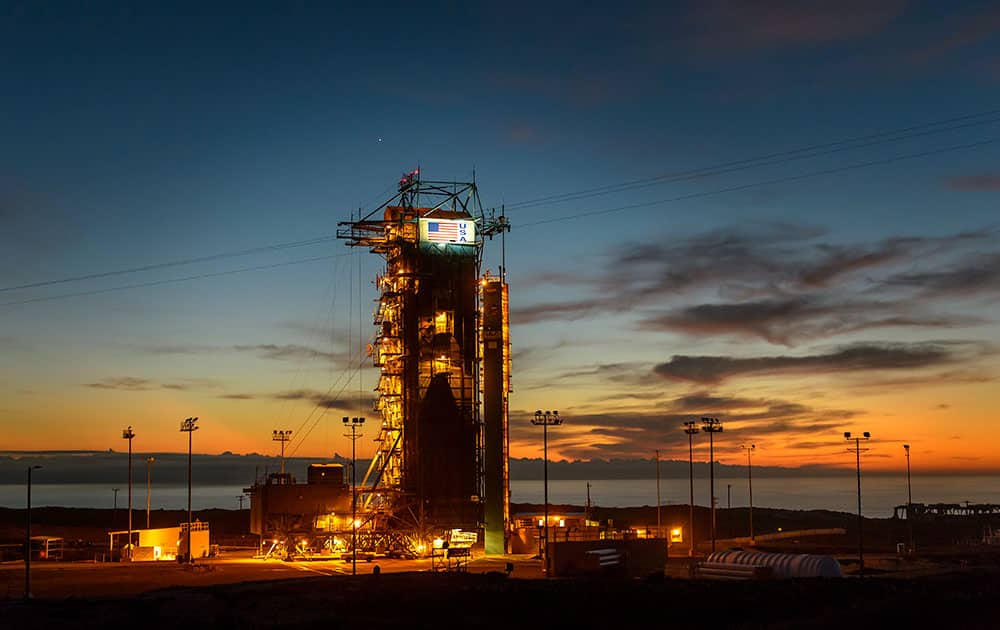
{"x": 271, "y": 351}
{"x": 782, "y": 283}
{"x": 326, "y": 400}
{"x": 974, "y": 183}
{"x": 629, "y": 433}
{"x": 126, "y": 383}
{"x": 731, "y": 25}
{"x": 289, "y": 352}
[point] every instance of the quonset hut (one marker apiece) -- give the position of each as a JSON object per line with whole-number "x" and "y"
{"x": 442, "y": 346}
{"x": 782, "y": 565}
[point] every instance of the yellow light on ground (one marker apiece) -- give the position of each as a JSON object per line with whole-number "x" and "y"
{"x": 676, "y": 534}
{"x": 562, "y": 522}
{"x": 438, "y": 543}
{"x": 357, "y": 523}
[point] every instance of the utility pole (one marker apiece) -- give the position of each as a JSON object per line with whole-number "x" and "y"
{"x": 149, "y": 476}
{"x": 189, "y": 426}
{"x": 128, "y": 434}
{"x": 857, "y": 450}
{"x": 354, "y": 423}
{"x": 691, "y": 428}
{"x": 282, "y": 436}
{"x": 909, "y": 500}
{"x": 658, "y": 529}
{"x": 750, "y": 449}
{"x": 711, "y": 426}
{"x": 27, "y": 539}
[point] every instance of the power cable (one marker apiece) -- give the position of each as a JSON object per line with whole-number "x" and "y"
{"x": 171, "y": 280}
{"x": 777, "y": 180}
{"x": 763, "y": 160}
{"x": 708, "y": 171}
{"x": 175, "y": 263}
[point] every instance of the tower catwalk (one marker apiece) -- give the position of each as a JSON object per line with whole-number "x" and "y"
{"x": 436, "y": 464}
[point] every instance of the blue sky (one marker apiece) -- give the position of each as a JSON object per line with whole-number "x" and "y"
{"x": 812, "y": 291}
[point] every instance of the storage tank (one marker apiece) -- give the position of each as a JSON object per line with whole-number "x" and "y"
{"x": 782, "y": 565}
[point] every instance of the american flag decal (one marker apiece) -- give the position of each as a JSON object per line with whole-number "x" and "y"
{"x": 444, "y": 231}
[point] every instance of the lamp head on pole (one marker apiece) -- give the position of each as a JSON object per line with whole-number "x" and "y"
{"x": 691, "y": 427}
{"x": 711, "y": 425}
{"x": 128, "y": 433}
{"x": 189, "y": 424}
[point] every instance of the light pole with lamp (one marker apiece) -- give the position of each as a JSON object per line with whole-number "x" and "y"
{"x": 909, "y": 499}
{"x": 711, "y": 426}
{"x": 354, "y": 423}
{"x": 691, "y": 428}
{"x": 282, "y": 436}
{"x": 128, "y": 434}
{"x": 189, "y": 426}
{"x": 27, "y": 538}
{"x": 149, "y": 476}
{"x": 749, "y": 450}
{"x": 545, "y": 419}
{"x": 857, "y": 450}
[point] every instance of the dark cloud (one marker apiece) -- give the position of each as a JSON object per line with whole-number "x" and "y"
{"x": 325, "y": 400}
{"x": 288, "y": 352}
{"x": 780, "y": 283}
{"x": 280, "y": 352}
{"x": 238, "y": 396}
{"x": 974, "y": 183}
{"x": 785, "y": 321}
{"x": 628, "y": 433}
{"x": 859, "y": 357}
{"x": 127, "y": 383}
{"x": 972, "y": 277}
{"x": 192, "y": 383}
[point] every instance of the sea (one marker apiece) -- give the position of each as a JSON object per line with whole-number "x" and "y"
{"x": 879, "y": 493}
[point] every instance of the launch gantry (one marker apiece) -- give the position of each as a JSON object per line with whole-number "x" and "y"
{"x": 441, "y": 453}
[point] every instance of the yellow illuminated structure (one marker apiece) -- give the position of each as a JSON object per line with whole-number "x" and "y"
{"x": 435, "y": 467}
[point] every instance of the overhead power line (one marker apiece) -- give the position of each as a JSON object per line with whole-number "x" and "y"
{"x": 781, "y": 157}
{"x": 766, "y": 182}
{"x": 154, "y": 283}
{"x": 176, "y": 263}
{"x": 811, "y": 151}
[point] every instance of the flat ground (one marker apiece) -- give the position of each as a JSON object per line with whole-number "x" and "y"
{"x": 955, "y": 585}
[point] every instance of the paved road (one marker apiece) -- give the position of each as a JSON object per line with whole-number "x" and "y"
{"x": 85, "y": 579}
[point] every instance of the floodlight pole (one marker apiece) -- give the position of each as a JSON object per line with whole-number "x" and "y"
{"x": 354, "y": 423}
{"x": 545, "y": 419}
{"x": 857, "y": 450}
{"x": 691, "y": 428}
{"x": 128, "y": 434}
{"x": 189, "y": 426}
{"x": 282, "y": 436}
{"x": 711, "y": 426}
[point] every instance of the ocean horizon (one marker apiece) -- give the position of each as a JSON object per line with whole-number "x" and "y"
{"x": 880, "y": 494}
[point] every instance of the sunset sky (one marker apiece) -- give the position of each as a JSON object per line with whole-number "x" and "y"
{"x": 783, "y": 217}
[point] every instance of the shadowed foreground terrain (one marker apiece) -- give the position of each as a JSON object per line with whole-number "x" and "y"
{"x": 493, "y": 600}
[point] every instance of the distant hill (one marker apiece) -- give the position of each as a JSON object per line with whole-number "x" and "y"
{"x": 68, "y": 467}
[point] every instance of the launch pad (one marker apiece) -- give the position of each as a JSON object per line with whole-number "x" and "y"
{"x": 442, "y": 346}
